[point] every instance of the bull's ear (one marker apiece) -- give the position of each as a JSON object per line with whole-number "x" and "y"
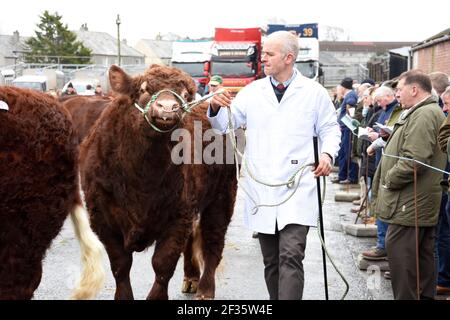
{"x": 120, "y": 81}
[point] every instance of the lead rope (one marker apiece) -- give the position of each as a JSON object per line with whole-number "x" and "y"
{"x": 416, "y": 221}
{"x": 290, "y": 184}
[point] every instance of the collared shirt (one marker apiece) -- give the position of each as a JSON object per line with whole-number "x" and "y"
{"x": 405, "y": 113}
{"x": 285, "y": 83}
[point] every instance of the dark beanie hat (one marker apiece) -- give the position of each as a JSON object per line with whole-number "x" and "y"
{"x": 369, "y": 81}
{"x": 347, "y": 83}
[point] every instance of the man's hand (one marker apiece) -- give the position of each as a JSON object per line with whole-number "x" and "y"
{"x": 324, "y": 167}
{"x": 370, "y": 151}
{"x": 221, "y": 100}
{"x": 373, "y": 136}
{"x": 384, "y": 134}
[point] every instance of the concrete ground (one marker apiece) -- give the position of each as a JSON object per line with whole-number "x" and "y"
{"x": 240, "y": 275}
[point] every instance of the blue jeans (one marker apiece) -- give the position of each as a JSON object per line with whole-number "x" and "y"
{"x": 344, "y": 155}
{"x": 442, "y": 246}
{"x": 381, "y": 234}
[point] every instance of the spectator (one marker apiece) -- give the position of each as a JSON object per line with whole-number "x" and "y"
{"x": 440, "y": 82}
{"x": 70, "y": 91}
{"x": 89, "y": 90}
{"x": 98, "y": 90}
{"x": 443, "y": 227}
{"x": 348, "y": 168}
{"x": 445, "y": 97}
{"x": 215, "y": 83}
{"x": 385, "y": 98}
{"x": 395, "y": 189}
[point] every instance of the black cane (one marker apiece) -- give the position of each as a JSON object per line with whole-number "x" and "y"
{"x": 319, "y": 198}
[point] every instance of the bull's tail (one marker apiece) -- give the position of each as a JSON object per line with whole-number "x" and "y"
{"x": 93, "y": 275}
{"x": 197, "y": 252}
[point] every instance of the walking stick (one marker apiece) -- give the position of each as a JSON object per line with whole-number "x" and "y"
{"x": 319, "y": 199}
{"x": 416, "y": 218}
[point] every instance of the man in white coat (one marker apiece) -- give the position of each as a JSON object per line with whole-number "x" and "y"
{"x": 282, "y": 113}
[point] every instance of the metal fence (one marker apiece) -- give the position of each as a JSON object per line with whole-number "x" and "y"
{"x": 70, "y": 71}
{"x": 334, "y": 73}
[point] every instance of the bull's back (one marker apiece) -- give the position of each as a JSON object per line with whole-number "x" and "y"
{"x": 85, "y": 111}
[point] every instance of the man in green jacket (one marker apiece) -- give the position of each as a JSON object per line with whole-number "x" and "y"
{"x": 403, "y": 204}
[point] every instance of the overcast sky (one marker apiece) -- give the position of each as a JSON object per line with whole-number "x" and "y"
{"x": 363, "y": 20}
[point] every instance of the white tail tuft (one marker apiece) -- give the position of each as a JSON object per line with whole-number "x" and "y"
{"x": 93, "y": 276}
{"x": 197, "y": 252}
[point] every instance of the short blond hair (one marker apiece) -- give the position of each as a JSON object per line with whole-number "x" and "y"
{"x": 288, "y": 40}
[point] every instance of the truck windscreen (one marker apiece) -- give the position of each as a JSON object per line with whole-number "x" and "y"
{"x": 233, "y": 69}
{"x": 307, "y": 69}
{"x": 30, "y": 85}
{"x": 195, "y": 69}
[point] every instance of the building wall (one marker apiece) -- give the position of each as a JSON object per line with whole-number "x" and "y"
{"x": 433, "y": 58}
{"x": 150, "y": 56}
{"x": 352, "y": 57}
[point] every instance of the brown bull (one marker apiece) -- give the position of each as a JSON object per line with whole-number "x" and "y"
{"x": 85, "y": 110}
{"x": 136, "y": 195}
{"x": 38, "y": 188}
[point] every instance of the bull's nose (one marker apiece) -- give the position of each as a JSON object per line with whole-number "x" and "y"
{"x": 168, "y": 106}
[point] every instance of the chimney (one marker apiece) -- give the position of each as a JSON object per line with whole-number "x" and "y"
{"x": 16, "y": 37}
{"x": 124, "y": 41}
{"x": 84, "y": 27}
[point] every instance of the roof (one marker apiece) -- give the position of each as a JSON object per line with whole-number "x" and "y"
{"x": 431, "y": 40}
{"x": 355, "y": 46}
{"x": 161, "y": 48}
{"x": 404, "y": 51}
{"x": 10, "y": 43}
{"x": 101, "y": 43}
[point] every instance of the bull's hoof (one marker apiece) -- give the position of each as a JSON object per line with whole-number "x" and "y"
{"x": 189, "y": 286}
{"x": 203, "y": 297}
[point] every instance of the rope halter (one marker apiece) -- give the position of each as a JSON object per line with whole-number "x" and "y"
{"x": 185, "y": 106}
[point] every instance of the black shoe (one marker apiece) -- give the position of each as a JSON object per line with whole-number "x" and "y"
{"x": 335, "y": 180}
{"x": 346, "y": 181}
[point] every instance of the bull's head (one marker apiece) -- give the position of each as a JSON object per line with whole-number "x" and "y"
{"x": 160, "y": 93}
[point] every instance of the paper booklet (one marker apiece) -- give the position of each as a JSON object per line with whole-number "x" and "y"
{"x": 363, "y": 134}
{"x": 348, "y": 121}
{"x": 386, "y": 129}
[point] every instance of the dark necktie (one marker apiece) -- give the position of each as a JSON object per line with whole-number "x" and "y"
{"x": 281, "y": 87}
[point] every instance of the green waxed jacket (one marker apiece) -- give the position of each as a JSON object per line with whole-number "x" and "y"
{"x": 414, "y": 136}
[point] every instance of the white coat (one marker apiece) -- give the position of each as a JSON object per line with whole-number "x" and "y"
{"x": 279, "y": 139}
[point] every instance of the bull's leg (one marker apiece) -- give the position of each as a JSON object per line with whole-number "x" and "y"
{"x": 120, "y": 261}
{"x": 191, "y": 268}
{"x": 20, "y": 276}
{"x": 214, "y": 224}
{"x": 167, "y": 252}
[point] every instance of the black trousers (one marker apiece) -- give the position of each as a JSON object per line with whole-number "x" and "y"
{"x": 401, "y": 252}
{"x": 283, "y": 254}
